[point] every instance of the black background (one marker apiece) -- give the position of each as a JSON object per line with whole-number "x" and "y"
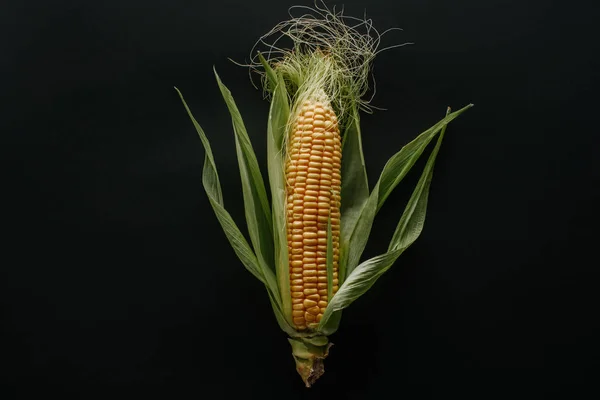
{"x": 117, "y": 280}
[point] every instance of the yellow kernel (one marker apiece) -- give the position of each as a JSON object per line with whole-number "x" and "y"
{"x": 309, "y": 303}
{"x": 314, "y": 310}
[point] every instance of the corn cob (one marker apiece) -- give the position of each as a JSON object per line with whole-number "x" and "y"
{"x": 313, "y": 169}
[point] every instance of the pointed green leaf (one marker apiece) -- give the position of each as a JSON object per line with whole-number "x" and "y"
{"x": 409, "y": 228}
{"x": 394, "y": 171}
{"x": 256, "y": 204}
{"x": 400, "y": 163}
{"x": 358, "y": 282}
{"x": 212, "y": 186}
{"x": 271, "y": 76}
{"x": 276, "y": 130}
{"x": 279, "y": 316}
{"x": 411, "y": 223}
{"x": 355, "y": 187}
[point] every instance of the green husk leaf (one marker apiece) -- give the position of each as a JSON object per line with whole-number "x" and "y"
{"x": 279, "y": 315}
{"x": 329, "y": 260}
{"x": 212, "y": 186}
{"x": 256, "y": 204}
{"x": 400, "y": 163}
{"x": 272, "y": 79}
{"x": 411, "y": 223}
{"x": 408, "y": 230}
{"x": 355, "y": 187}
{"x": 394, "y": 171}
{"x": 316, "y": 340}
{"x": 278, "y": 118}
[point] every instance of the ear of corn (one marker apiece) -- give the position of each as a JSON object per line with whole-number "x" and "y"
{"x": 307, "y": 244}
{"x": 313, "y": 170}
